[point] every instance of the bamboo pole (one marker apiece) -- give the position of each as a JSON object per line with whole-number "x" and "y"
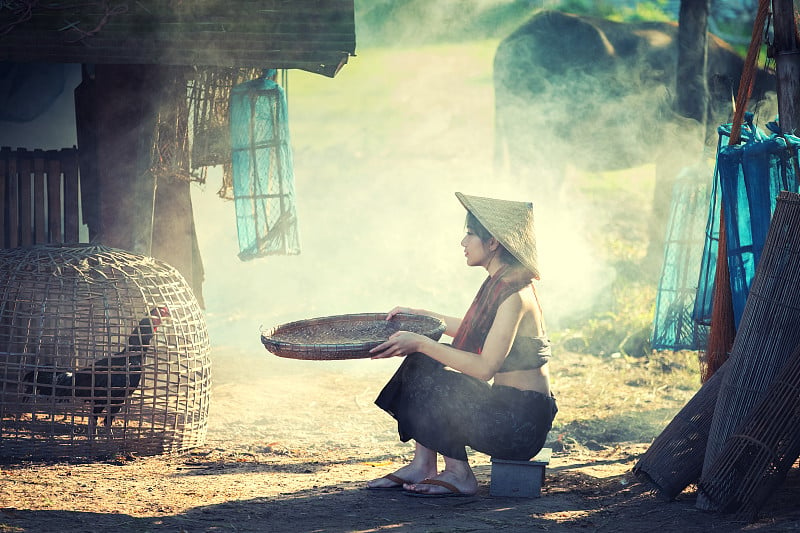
{"x": 721, "y": 335}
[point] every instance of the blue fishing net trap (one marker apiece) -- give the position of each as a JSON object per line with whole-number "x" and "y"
{"x": 263, "y": 170}
{"x": 673, "y": 326}
{"x": 747, "y": 179}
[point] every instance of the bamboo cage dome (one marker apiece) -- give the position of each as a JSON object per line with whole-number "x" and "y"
{"x": 102, "y": 351}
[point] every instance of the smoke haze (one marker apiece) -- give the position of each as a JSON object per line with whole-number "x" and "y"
{"x": 379, "y": 152}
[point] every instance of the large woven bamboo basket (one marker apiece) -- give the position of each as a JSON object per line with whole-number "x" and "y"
{"x": 675, "y": 458}
{"x": 63, "y": 310}
{"x": 768, "y": 331}
{"x": 758, "y": 455}
{"x": 344, "y": 336}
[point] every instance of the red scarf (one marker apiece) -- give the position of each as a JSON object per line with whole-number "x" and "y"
{"x": 480, "y": 316}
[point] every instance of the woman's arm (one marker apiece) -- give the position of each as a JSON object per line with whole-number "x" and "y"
{"x": 482, "y": 366}
{"x": 451, "y": 323}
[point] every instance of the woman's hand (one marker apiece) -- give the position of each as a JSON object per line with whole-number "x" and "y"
{"x": 398, "y": 309}
{"x": 399, "y": 344}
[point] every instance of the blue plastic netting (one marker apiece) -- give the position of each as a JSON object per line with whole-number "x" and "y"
{"x": 747, "y": 179}
{"x": 263, "y": 170}
{"x": 673, "y": 327}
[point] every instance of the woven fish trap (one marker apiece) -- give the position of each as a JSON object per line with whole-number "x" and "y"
{"x": 768, "y": 332}
{"x": 344, "y": 336}
{"x": 756, "y": 458}
{"x": 208, "y": 95}
{"x": 675, "y": 458}
{"x": 64, "y": 312}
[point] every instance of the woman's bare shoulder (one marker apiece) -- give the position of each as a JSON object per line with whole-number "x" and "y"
{"x": 531, "y": 319}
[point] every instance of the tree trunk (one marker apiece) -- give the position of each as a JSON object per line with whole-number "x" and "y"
{"x": 787, "y": 62}
{"x": 691, "y": 101}
{"x": 691, "y": 86}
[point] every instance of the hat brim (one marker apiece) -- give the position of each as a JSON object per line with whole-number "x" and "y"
{"x": 510, "y": 222}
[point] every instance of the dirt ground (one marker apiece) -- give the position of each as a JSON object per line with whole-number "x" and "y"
{"x": 291, "y": 444}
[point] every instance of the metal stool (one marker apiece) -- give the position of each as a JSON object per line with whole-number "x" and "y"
{"x": 520, "y": 479}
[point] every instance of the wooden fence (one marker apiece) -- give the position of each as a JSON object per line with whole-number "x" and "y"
{"x": 39, "y": 197}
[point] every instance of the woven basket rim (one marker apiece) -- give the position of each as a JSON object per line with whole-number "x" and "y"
{"x": 426, "y": 325}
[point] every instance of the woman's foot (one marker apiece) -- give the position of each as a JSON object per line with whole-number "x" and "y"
{"x": 402, "y": 477}
{"x": 449, "y": 482}
{"x": 421, "y": 466}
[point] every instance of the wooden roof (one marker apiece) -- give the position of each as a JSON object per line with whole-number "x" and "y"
{"x": 313, "y": 35}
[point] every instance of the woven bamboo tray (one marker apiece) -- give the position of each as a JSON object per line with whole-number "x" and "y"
{"x": 344, "y": 336}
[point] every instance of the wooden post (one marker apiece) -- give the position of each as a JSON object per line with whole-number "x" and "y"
{"x": 69, "y": 166}
{"x": 12, "y": 201}
{"x": 4, "y": 179}
{"x": 24, "y": 191}
{"x": 124, "y": 114}
{"x": 787, "y": 63}
{"x": 86, "y": 128}
{"x": 39, "y": 228}
{"x": 54, "y": 212}
{"x": 117, "y": 108}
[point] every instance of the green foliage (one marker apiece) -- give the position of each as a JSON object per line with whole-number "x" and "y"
{"x": 619, "y": 325}
{"x": 415, "y": 22}
{"x": 599, "y": 8}
{"x": 644, "y": 11}
{"x": 653, "y": 10}
{"x": 501, "y": 19}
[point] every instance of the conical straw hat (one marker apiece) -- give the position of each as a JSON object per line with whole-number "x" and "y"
{"x": 509, "y": 222}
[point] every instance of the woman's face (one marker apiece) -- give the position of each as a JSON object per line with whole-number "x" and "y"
{"x": 477, "y": 252}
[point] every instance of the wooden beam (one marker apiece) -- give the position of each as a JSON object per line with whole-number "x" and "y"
{"x": 314, "y": 35}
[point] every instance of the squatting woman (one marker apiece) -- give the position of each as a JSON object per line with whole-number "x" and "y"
{"x": 489, "y": 389}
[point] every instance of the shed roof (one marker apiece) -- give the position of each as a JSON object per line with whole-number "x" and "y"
{"x": 312, "y": 35}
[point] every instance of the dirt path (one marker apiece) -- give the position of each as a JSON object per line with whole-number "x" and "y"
{"x": 290, "y": 447}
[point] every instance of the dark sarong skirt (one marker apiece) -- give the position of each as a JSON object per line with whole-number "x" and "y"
{"x": 446, "y": 411}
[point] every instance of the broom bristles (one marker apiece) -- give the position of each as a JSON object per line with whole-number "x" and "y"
{"x": 723, "y": 330}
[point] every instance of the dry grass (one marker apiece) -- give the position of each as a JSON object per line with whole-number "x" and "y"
{"x": 615, "y": 399}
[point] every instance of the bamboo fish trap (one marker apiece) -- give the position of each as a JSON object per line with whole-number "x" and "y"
{"x": 675, "y": 459}
{"x": 768, "y": 332}
{"x": 756, "y": 459}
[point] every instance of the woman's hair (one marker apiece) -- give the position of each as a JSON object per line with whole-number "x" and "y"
{"x": 474, "y": 225}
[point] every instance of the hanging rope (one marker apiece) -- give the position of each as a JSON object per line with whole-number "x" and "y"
{"x": 723, "y": 327}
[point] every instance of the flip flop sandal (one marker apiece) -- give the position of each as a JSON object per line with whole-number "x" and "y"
{"x": 453, "y": 491}
{"x": 397, "y": 480}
